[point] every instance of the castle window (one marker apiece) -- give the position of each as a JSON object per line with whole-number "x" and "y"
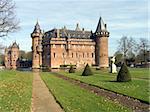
{"x": 92, "y": 55}
{"x": 72, "y": 55}
{"x": 87, "y": 55}
{"x": 76, "y": 54}
{"x": 54, "y": 55}
{"x": 63, "y": 55}
{"x": 83, "y": 55}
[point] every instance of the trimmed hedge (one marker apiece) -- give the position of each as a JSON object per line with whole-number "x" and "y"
{"x": 124, "y": 74}
{"x": 87, "y": 71}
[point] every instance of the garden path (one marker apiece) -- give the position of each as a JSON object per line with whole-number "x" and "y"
{"x": 42, "y": 99}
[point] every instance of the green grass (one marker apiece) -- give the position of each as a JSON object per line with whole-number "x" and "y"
{"x": 137, "y": 88}
{"x": 15, "y": 91}
{"x": 75, "y": 99}
{"x": 143, "y": 73}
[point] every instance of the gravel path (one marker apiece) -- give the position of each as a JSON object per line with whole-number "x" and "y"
{"x": 42, "y": 99}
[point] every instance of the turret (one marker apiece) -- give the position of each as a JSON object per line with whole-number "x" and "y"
{"x": 101, "y": 48}
{"x": 14, "y": 55}
{"x": 36, "y": 36}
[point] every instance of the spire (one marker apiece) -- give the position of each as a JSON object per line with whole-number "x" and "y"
{"x": 14, "y": 45}
{"x": 101, "y": 26}
{"x": 77, "y": 27}
{"x": 37, "y": 28}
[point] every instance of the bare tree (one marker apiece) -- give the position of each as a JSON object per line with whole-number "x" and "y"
{"x": 126, "y": 45}
{"x": 8, "y": 21}
{"x": 143, "y": 47}
{"x": 1, "y": 48}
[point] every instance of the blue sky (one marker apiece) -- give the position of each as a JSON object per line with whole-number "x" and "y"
{"x": 123, "y": 17}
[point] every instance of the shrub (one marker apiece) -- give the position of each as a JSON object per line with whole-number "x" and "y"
{"x": 98, "y": 68}
{"x": 46, "y": 69}
{"x": 87, "y": 71}
{"x": 124, "y": 74}
{"x": 71, "y": 70}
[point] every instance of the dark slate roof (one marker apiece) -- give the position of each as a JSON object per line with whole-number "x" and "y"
{"x": 37, "y": 28}
{"x": 68, "y": 33}
{"x": 14, "y": 45}
{"x": 101, "y": 26}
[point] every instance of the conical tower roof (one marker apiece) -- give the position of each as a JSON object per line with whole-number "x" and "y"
{"x": 77, "y": 27}
{"x": 101, "y": 26}
{"x": 37, "y": 28}
{"x": 14, "y": 45}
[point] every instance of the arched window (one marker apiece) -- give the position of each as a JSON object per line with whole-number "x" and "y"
{"x": 72, "y": 55}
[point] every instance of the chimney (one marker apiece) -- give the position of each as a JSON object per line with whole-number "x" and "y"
{"x": 77, "y": 27}
{"x": 83, "y": 30}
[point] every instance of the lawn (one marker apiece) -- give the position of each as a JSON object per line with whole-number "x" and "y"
{"x": 75, "y": 99}
{"x": 15, "y": 91}
{"x": 137, "y": 88}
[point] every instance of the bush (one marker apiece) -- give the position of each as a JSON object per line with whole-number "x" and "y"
{"x": 98, "y": 68}
{"x": 87, "y": 71}
{"x": 46, "y": 69}
{"x": 71, "y": 70}
{"x": 124, "y": 74}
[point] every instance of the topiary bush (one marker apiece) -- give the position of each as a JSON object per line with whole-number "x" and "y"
{"x": 71, "y": 70}
{"x": 87, "y": 71}
{"x": 124, "y": 74}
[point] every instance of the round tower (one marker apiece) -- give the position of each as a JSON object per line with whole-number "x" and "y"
{"x": 101, "y": 47}
{"x": 36, "y": 36}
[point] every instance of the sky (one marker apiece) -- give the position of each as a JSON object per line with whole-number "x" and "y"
{"x": 123, "y": 18}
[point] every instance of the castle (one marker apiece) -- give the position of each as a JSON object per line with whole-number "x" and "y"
{"x": 11, "y": 56}
{"x": 12, "y": 60}
{"x": 70, "y": 47}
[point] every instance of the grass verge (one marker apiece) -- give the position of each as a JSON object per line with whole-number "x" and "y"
{"x": 15, "y": 91}
{"x": 75, "y": 99}
{"x": 137, "y": 88}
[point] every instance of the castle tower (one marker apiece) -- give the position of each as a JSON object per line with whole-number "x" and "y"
{"x": 36, "y": 36}
{"x": 101, "y": 48}
{"x": 14, "y": 55}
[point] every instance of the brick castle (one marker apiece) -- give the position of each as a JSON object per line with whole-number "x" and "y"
{"x": 11, "y": 56}
{"x": 70, "y": 47}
